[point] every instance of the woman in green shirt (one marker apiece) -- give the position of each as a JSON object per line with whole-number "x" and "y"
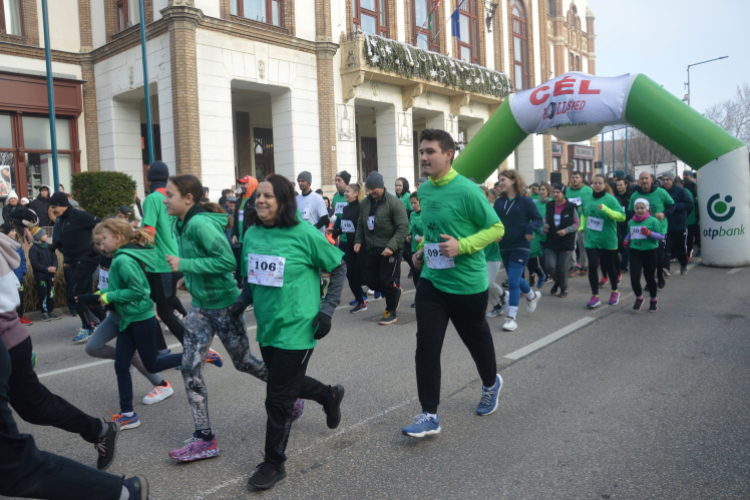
{"x": 283, "y": 258}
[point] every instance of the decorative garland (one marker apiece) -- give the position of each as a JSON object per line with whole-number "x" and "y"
{"x": 412, "y": 62}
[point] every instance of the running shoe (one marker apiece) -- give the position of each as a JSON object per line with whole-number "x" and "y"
{"x": 214, "y": 358}
{"x": 124, "y": 422}
{"x": 299, "y": 407}
{"x": 411, "y": 273}
{"x": 652, "y": 308}
{"x": 584, "y": 272}
{"x": 72, "y": 313}
{"x": 45, "y": 317}
{"x": 52, "y": 315}
{"x": 266, "y": 475}
{"x": 423, "y": 425}
{"x": 531, "y": 304}
{"x": 619, "y": 278}
{"x": 603, "y": 281}
{"x": 370, "y": 292}
{"x": 542, "y": 281}
{"x": 614, "y": 299}
{"x": 377, "y": 296}
{"x": 83, "y": 336}
{"x": 196, "y": 448}
{"x": 388, "y": 318}
{"x": 26, "y": 321}
{"x": 488, "y": 403}
{"x": 34, "y": 359}
{"x": 594, "y": 302}
{"x": 638, "y": 304}
{"x": 510, "y": 325}
{"x": 572, "y": 272}
{"x": 106, "y": 445}
{"x": 532, "y": 280}
{"x": 661, "y": 283}
{"x": 494, "y": 312}
{"x": 250, "y": 308}
{"x": 504, "y": 301}
{"x": 163, "y": 352}
{"x": 667, "y": 274}
{"x": 555, "y": 288}
{"x": 563, "y": 294}
{"x": 399, "y": 294}
{"x": 333, "y": 408}
{"x": 358, "y": 308}
{"x": 140, "y": 487}
{"x": 158, "y": 393}
{"x": 683, "y": 271}
{"x": 413, "y": 305}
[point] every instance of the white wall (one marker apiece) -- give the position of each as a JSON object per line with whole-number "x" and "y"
{"x": 539, "y": 35}
{"x": 98, "y": 28}
{"x": 64, "y": 30}
{"x": 158, "y": 6}
{"x": 210, "y": 8}
{"x": 304, "y": 13}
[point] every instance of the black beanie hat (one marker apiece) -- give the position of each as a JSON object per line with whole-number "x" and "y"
{"x": 158, "y": 171}
{"x": 7, "y": 228}
{"x": 345, "y": 176}
{"x": 59, "y": 199}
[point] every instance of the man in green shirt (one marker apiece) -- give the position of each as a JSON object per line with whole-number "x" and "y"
{"x": 339, "y": 202}
{"x": 458, "y": 223}
{"x": 575, "y": 194}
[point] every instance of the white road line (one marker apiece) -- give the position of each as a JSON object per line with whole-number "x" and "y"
{"x": 735, "y": 270}
{"x": 525, "y": 351}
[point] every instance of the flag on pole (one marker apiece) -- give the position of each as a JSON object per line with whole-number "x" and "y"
{"x": 456, "y": 21}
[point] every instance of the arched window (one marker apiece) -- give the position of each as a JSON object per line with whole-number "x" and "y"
{"x": 423, "y": 35}
{"x": 468, "y": 45}
{"x": 371, "y": 16}
{"x": 520, "y": 45}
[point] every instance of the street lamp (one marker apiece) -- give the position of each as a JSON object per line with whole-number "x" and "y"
{"x": 687, "y": 96}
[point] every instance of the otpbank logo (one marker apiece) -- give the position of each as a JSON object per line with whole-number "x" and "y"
{"x": 719, "y": 210}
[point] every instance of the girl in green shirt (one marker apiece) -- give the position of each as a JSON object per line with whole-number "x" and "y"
{"x": 643, "y": 240}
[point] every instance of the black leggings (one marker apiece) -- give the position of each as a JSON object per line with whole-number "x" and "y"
{"x": 608, "y": 264}
{"x": 646, "y": 260}
{"x": 533, "y": 266}
{"x": 83, "y": 271}
{"x": 355, "y": 271}
{"x": 163, "y": 293}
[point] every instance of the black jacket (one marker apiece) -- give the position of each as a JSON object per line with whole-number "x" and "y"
{"x": 351, "y": 213}
{"x": 41, "y": 206}
{"x": 7, "y": 218}
{"x": 567, "y": 219}
{"x": 41, "y": 259}
{"x": 677, "y": 219}
{"x": 693, "y": 188}
{"x": 75, "y": 235}
{"x": 624, "y": 201}
{"x": 247, "y": 217}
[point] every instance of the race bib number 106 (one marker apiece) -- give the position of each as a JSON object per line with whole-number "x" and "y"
{"x": 265, "y": 270}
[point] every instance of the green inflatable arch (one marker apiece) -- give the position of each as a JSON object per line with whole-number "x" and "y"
{"x": 575, "y": 101}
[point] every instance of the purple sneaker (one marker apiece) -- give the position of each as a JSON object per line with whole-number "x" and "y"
{"x": 299, "y": 407}
{"x": 196, "y": 448}
{"x": 614, "y": 299}
{"x": 594, "y": 302}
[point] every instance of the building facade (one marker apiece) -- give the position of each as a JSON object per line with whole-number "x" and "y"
{"x": 261, "y": 86}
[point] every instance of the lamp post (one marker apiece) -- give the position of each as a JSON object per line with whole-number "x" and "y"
{"x": 687, "y": 96}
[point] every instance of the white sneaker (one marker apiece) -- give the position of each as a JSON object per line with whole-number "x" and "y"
{"x": 495, "y": 311}
{"x": 531, "y": 304}
{"x": 370, "y": 292}
{"x": 510, "y": 325}
{"x": 667, "y": 274}
{"x": 158, "y": 394}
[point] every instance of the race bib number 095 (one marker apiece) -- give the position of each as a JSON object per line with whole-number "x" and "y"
{"x": 265, "y": 270}
{"x": 436, "y": 260}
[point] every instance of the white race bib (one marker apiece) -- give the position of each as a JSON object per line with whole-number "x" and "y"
{"x": 436, "y": 260}
{"x": 241, "y": 216}
{"x": 265, "y": 270}
{"x": 347, "y": 226}
{"x": 557, "y": 220}
{"x": 371, "y": 223}
{"x": 306, "y": 214}
{"x": 339, "y": 209}
{"x": 623, "y": 208}
{"x": 635, "y": 233}
{"x": 103, "y": 279}
{"x": 575, "y": 201}
{"x": 594, "y": 223}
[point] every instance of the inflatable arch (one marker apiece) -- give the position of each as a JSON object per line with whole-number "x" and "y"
{"x": 576, "y": 106}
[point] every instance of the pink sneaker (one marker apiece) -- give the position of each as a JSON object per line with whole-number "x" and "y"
{"x": 299, "y": 407}
{"x": 594, "y": 302}
{"x": 614, "y": 299}
{"x": 196, "y": 449}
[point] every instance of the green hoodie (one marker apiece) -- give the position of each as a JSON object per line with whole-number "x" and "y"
{"x": 128, "y": 288}
{"x": 206, "y": 259}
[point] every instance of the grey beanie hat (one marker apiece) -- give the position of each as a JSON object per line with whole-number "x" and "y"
{"x": 306, "y": 176}
{"x": 374, "y": 181}
{"x": 669, "y": 175}
{"x": 421, "y": 180}
{"x": 39, "y": 234}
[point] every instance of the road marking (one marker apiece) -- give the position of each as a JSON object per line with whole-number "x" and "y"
{"x": 735, "y": 270}
{"x": 534, "y": 346}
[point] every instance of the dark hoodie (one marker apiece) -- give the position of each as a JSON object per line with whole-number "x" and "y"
{"x": 41, "y": 207}
{"x": 75, "y": 235}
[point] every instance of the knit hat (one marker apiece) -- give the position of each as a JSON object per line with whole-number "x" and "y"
{"x": 12, "y": 195}
{"x": 158, "y": 171}
{"x": 345, "y": 176}
{"x": 38, "y": 233}
{"x": 124, "y": 209}
{"x": 374, "y": 181}
{"x": 421, "y": 180}
{"x": 306, "y": 176}
{"x": 644, "y": 201}
{"x": 59, "y": 199}
{"x": 7, "y": 228}
{"x": 619, "y": 174}
{"x": 25, "y": 200}
{"x": 668, "y": 175}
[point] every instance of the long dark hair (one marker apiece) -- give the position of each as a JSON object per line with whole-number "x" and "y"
{"x": 188, "y": 184}
{"x": 283, "y": 190}
{"x": 405, "y": 184}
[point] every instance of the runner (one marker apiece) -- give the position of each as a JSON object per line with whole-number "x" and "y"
{"x": 458, "y": 223}
{"x": 601, "y": 213}
{"x": 402, "y": 193}
{"x": 339, "y": 203}
{"x": 414, "y": 238}
{"x": 536, "y": 265}
{"x": 497, "y": 298}
{"x": 677, "y": 220}
{"x": 521, "y": 219}
{"x": 694, "y": 230}
{"x": 692, "y": 226}
{"x": 643, "y": 239}
{"x": 623, "y": 194}
{"x": 561, "y": 226}
{"x": 284, "y": 256}
{"x": 207, "y": 262}
{"x": 242, "y": 214}
{"x": 575, "y": 193}
{"x": 311, "y": 204}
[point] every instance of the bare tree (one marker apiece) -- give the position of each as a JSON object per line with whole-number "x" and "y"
{"x": 733, "y": 115}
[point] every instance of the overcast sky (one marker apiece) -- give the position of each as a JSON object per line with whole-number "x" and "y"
{"x": 661, "y": 37}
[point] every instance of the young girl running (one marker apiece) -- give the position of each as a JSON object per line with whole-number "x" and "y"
{"x": 346, "y": 223}
{"x": 601, "y": 212}
{"x": 416, "y": 233}
{"x": 561, "y": 226}
{"x": 497, "y": 298}
{"x": 128, "y": 291}
{"x": 643, "y": 239}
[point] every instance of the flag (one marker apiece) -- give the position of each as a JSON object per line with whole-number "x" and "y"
{"x": 429, "y": 21}
{"x": 455, "y": 21}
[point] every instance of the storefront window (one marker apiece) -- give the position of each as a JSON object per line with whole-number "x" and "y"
{"x": 36, "y": 133}
{"x": 39, "y": 171}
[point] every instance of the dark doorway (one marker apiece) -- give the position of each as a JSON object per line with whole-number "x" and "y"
{"x": 369, "y": 155}
{"x": 263, "y": 153}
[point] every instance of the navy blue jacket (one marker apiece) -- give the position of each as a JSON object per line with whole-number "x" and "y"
{"x": 520, "y": 217}
{"x": 677, "y": 219}
{"x": 41, "y": 259}
{"x": 21, "y": 270}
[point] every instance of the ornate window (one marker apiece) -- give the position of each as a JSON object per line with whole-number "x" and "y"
{"x": 520, "y": 45}
{"x": 10, "y": 17}
{"x": 263, "y": 11}
{"x": 371, "y": 16}
{"x": 123, "y": 18}
{"x": 423, "y": 37}
{"x": 468, "y": 45}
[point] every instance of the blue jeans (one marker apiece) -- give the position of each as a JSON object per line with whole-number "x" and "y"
{"x": 515, "y": 261}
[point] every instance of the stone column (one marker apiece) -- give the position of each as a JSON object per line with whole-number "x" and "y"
{"x": 395, "y": 153}
{"x": 325, "y": 52}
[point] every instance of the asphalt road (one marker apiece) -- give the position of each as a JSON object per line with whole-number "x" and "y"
{"x": 611, "y": 404}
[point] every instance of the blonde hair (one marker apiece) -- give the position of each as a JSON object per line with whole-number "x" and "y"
{"x": 519, "y": 185}
{"x": 357, "y": 186}
{"x": 122, "y": 228}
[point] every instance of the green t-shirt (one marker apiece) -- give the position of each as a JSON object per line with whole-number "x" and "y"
{"x": 691, "y": 215}
{"x": 155, "y": 215}
{"x": 285, "y": 313}
{"x": 653, "y": 224}
{"x": 406, "y": 200}
{"x": 492, "y": 252}
{"x": 534, "y": 196}
{"x": 601, "y": 229}
{"x": 658, "y": 199}
{"x": 415, "y": 229}
{"x": 459, "y": 209}
{"x": 576, "y": 196}
{"x": 338, "y": 208}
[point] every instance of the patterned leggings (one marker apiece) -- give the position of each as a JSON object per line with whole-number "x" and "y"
{"x": 200, "y": 327}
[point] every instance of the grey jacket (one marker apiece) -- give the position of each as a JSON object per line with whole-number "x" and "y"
{"x": 391, "y": 223}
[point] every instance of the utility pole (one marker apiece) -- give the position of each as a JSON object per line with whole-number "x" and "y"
{"x": 149, "y": 128}
{"x": 50, "y": 97}
{"x": 687, "y": 96}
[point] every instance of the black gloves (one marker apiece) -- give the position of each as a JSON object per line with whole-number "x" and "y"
{"x": 323, "y": 322}
{"x": 237, "y": 309}
{"x": 89, "y": 298}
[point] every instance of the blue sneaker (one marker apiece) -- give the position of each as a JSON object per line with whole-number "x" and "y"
{"x": 354, "y": 302}
{"x": 377, "y": 296}
{"x": 542, "y": 280}
{"x": 126, "y": 422}
{"x": 214, "y": 358}
{"x": 488, "y": 403}
{"x": 83, "y": 336}
{"x": 422, "y": 426}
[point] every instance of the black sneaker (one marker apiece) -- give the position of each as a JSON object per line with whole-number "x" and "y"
{"x": 139, "y": 486}
{"x": 72, "y": 313}
{"x": 333, "y": 408}
{"x": 555, "y": 288}
{"x": 52, "y": 315}
{"x": 411, "y": 273}
{"x": 45, "y": 317}
{"x": 266, "y": 475}
{"x": 359, "y": 308}
{"x": 638, "y": 304}
{"x": 563, "y": 294}
{"x": 105, "y": 446}
{"x": 661, "y": 283}
{"x": 653, "y": 307}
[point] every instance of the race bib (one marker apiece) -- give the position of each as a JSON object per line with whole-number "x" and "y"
{"x": 635, "y": 233}
{"x": 575, "y": 201}
{"x": 339, "y": 209}
{"x": 371, "y": 223}
{"x": 623, "y": 208}
{"x": 103, "y": 279}
{"x": 241, "y": 216}
{"x": 594, "y": 223}
{"x": 347, "y": 226}
{"x": 436, "y": 260}
{"x": 265, "y": 270}
{"x": 306, "y": 214}
{"x": 557, "y": 219}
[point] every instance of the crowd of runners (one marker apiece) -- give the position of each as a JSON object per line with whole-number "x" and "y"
{"x": 283, "y": 252}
